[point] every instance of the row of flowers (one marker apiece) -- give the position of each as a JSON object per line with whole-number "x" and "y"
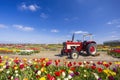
{"x": 18, "y": 51}
{"x": 46, "y": 69}
{"x": 114, "y": 52}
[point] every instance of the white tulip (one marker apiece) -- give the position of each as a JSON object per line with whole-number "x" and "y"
{"x": 1, "y": 69}
{"x": 11, "y": 77}
{"x": 63, "y": 74}
{"x": 58, "y": 79}
{"x": 82, "y": 65}
{"x": 8, "y": 72}
{"x": 39, "y": 72}
{"x": 16, "y": 75}
{"x": 85, "y": 75}
{"x": 91, "y": 62}
{"x": 4, "y": 66}
{"x": 96, "y": 76}
{"x": 28, "y": 67}
{"x": 69, "y": 77}
{"x": 66, "y": 79}
{"x": 16, "y": 71}
{"x": 9, "y": 62}
{"x": 84, "y": 62}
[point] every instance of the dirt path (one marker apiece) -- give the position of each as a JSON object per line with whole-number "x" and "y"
{"x": 56, "y": 55}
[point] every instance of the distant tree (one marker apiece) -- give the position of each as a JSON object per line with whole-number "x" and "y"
{"x": 112, "y": 43}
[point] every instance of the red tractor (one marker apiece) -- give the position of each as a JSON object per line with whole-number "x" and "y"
{"x": 74, "y": 48}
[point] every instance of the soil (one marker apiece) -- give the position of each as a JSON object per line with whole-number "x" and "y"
{"x": 56, "y": 55}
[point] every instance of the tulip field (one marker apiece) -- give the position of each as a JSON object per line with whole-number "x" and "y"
{"x": 18, "y": 49}
{"x": 48, "y": 69}
{"x": 49, "y": 66}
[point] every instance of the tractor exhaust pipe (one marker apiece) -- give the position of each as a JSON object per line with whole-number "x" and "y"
{"x": 73, "y": 36}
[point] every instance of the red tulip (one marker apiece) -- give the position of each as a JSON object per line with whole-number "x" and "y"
{"x": 98, "y": 62}
{"x": 16, "y": 61}
{"x": 79, "y": 63}
{"x": 62, "y": 71}
{"x": 88, "y": 62}
{"x": 72, "y": 68}
{"x": 50, "y": 77}
{"x": 74, "y": 63}
{"x": 0, "y": 60}
{"x": 57, "y": 73}
{"x": 37, "y": 76}
{"x": 0, "y": 57}
{"x": 110, "y": 63}
{"x": 56, "y": 63}
{"x": 99, "y": 70}
{"x": 93, "y": 67}
{"x": 69, "y": 64}
{"x": 58, "y": 60}
{"x": 48, "y": 63}
{"x": 21, "y": 66}
{"x": 36, "y": 66}
{"x": 106, "y": 65}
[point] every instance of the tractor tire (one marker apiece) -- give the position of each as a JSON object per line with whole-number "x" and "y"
{"x": 91, "y": 49}
{"x": 74, "y": 54}
{"x": 62, "y": 53}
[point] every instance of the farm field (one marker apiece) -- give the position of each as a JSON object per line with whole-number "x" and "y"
{"x": 48, "y": 64}
{"x": 56, "y": 55}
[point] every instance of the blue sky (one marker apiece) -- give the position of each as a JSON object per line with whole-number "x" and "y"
{"x": 54, "y": 21}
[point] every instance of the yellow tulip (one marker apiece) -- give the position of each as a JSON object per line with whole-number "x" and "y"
{"x": 42, "y": 78}
{"x": 70, "y": 71}
{"x": 104, "y": 62}
{"x": 43, "y": 69}
{"x": 25, "y": 79}
{"x": 6, "y": 57}
{"x": 15, "y": 67}
{"x": 109, "y": 72}
{"x": 46, "y": 59}
{"x": 35, "y": 63}
{"x": 117, "y": 63}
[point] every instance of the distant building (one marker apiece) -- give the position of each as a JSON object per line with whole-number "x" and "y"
{"x": 112, "y": 43}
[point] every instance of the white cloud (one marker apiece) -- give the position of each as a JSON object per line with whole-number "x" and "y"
{"x": 109, "y": 23}
{"x": 23, "y": 7}
{"x": 114, "y": 21}
{"x": 66, "y": 19}
{"x": 80, "y": 32}
{"x": 71, "y": 19}
{"x": 23, "y": 28}
{"x": 113, "y": 36}
{"x": 43, "y": 15}
{"x": 2, "y": 26}
{"x": 54, "y": 30}
{"x": 32, "y": 7}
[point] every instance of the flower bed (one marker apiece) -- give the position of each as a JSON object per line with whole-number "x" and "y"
{"x": 18, "y": 51}
{"x": 26, "y": 52}
{"x": 114, "y": 53}
{"x": 45, "y": 69}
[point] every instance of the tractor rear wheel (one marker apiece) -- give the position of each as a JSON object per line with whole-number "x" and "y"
{"x": 91, "y": 49}
{"x": 74, "y": 54}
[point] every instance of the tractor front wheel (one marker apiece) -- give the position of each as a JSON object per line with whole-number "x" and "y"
{"x": 91, "y": 49}
{"x": 74, "y": 54}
